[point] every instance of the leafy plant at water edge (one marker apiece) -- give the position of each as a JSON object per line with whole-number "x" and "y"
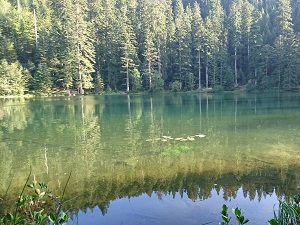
{"x": 31, "y": 208}
{"x": 225, "y": 217}
{"x": 238, "y": 216}
{"x": 288, "y": 212}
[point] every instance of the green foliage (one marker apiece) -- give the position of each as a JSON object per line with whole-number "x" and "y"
{"x": 267, "y": 82}
{"x": 157, "y": 82}
{"x": 230, "y": 42}
{"x": 217, "y": 88}
{"x": 190, "y": 83}
{"x": 175, "y": 150}
{"x": 42, "y": 82}
{"x": 99, "y": 84}
{"x": 31, "y": 208}
{"x": 288, "y": 212}
{"x": 176, "y": 86}
{"x": 240, "y": 219}
{"x": 136, "y": 80}
{"x": 226, "y": 219}
{"x": 250, "y": 87}
{"x": 13, "y": 78}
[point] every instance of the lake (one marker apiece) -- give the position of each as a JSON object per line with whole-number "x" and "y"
{"x": 155, "y": 159}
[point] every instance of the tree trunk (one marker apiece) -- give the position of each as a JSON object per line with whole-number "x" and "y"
{"x": 158, "y": 56}
{"x": 35, "y": 26}
{"x": 199, "y": 69}
{"x": 80, "y": 86}
{"x": 18, "y": 5}
{"x": 129, "y": 105}
{"x": 221, "y": 73}
{"x": 149, "y": 73}
{"x": 255, "y": 75}
{"x": 127, "y": 76}
{"x": 248, "y": 48}
{"x": 214, "y": 74}
{"x": 235, "y": 68}
{"x": 180, "y": 62}
{"x": 206, "y": 75}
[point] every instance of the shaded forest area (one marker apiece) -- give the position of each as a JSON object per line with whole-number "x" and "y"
{"x": 136, "y": 45}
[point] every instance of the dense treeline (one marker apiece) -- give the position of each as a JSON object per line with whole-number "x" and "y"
{"x": 134, "y": 45}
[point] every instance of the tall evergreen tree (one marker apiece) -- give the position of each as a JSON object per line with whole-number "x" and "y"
{"x": 214, "y": 29}
{"x": 198, "y": 39}
{"x": 183, "y": 42}
{"x": 8, "y": 23}
{"x": 295, "y": 5}
{"x": 286, "y": 49}
{"x": 129, "y": 56}
{"x": 255, "y": 66}
{"x": 246, "y": 25}
{"x": 235, "y": 20}
{"x": 107, "y": 46}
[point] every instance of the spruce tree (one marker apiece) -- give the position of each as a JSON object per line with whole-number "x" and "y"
{"x": 107, "y": 43}
{"x": 129, "y": 56}
{"x": 8, "y": 21}
{"x": 286, "y": 49}
{"x": 198, "y": 40}
{"x": 183, "y": 42}
{"x": 235, "y": 21}
{"x": 213, "y": 42}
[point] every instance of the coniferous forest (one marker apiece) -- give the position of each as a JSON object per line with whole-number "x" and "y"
{"x": 136, "y": 45}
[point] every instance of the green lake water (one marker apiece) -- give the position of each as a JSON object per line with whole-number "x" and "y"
{"x": 155, "y": 159}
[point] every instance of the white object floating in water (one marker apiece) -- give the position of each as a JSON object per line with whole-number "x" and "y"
{"x": 164, "y": 140}
{"x": 167, "y": 137}
{"x": 183, "y": 139}
{"x": 200, "y": 135}
{"x": 191, "y": 138}
{"x": 178, "y": 139}
{"x": 148, "y": 140}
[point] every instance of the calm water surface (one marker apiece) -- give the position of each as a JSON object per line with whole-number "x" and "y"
{"x": 160, "y": 159}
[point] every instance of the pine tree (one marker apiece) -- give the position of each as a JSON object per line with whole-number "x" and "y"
{"x": 183, "y": 42}
{"x": 78, "y": 54}
{"x": 85, "y": 46}
{"x": 295, "y": 5}
{"x": 107, "y": 46}
{"x": 255, "y": 66}
{"x": 147, "y": 39}
{"x": 25, "y": 36}
{"x": 198, "y": 39}
{"x": 246, "y": 25}
{"x": 235, "y": 20}
{"x": 7, "y": 25}
{"x": 129, "y": 56}
{"x": 149, "y": 56}
{"x": 170, "y": 41}
{"x": 213, "y": 42}
{"x": 286, "y": 49}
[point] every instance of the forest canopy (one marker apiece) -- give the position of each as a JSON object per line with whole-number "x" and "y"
{"x": 135, "y": 45}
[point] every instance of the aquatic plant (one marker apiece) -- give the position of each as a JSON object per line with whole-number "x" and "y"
{"x": 238, "y": 216}
{"x": 288, "y": 212}
{"x": 32, "y": 208}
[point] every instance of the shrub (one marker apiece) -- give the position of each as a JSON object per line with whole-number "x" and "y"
{"x": 176, "y": 86}
{"x": 13, "y": 78}
{"x": 30, "y": 208}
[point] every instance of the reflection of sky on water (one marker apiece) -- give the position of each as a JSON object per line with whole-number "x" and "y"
{"x": 145, "y": 210}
